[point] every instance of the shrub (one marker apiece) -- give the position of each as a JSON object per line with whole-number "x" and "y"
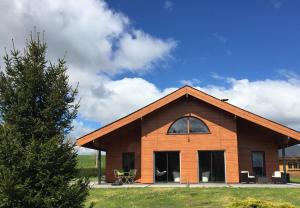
{"x": 256, "y": 203}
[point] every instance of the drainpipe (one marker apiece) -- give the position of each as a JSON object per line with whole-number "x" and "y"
{"x": 99, "y": 166}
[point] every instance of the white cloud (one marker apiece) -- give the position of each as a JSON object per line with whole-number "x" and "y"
{"x": 95, "y": 37}
{"x": 79, "y": 130}
{"x": 108, "y": 100}
{"x": 139, "y": 51}
{"x": 274, "y": 99}
{"x": 169, "y": 5}
{"x": 278, "y": 100}
{"x": 97, "y": 40}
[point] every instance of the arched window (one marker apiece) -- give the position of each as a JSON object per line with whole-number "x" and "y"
{"x": 188, "y": 125}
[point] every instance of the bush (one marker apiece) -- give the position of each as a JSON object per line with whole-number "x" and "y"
{"x": 256, "y": 203}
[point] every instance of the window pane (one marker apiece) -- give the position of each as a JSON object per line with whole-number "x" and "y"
{"x": 197, "y": 126}
{"x": 128, "y": 161}
{"x": 258, "y": 163}
{"x": 179, "y": 127}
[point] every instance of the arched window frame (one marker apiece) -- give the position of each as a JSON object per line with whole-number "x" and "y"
{"x": 188, "y": 126}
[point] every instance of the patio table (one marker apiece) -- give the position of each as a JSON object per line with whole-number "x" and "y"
{"x": 125, "y": 177}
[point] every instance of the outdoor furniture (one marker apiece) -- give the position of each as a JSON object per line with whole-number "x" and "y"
{"x": 276, "y": 177}
{"x": 131, "y": 176}
{"x": 158, "y": 173}
{"x": 205, "y": 176}
{"x": 176, "y": 176}
{"x": 120, "y": 176}
{"x": 245, "y": 177}
{"x": 280, "y": 177}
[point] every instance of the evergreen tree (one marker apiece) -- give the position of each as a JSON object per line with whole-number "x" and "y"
{"x": 37, "y": 106}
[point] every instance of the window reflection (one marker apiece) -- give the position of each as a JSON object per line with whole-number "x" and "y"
{"x": 188, "y": 125}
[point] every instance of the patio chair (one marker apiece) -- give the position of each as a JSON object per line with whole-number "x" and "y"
{"x": 205, "y": 176}
{"x": 277, "y": 177}
{"x": 119, "y": 176}
{"x": 245, "y": 177}
{"x": 158, "y": 173}
{"x": 176, "y": 176}
{"x": 131, "y": 175}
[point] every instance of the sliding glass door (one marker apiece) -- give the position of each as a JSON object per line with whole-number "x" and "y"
{"x": 211, "y": 166}
{"x": 167, "y": 167}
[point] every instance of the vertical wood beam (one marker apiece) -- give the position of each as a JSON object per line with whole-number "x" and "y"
{"x": 99, "y": 167}
{"x": 284, "y": 162}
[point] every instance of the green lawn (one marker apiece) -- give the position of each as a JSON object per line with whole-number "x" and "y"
{"x": 86, "y": 165}
{"x": 295, "y": 179}
{"x": 187, "y": 197}
{"x": 177, "y": 197}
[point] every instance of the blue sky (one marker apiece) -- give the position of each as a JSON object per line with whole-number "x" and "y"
{"x": 241, "y": 39}
{"x": 127, "y": 53}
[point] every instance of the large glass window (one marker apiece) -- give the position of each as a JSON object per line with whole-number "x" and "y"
{"x": 128, "y": 161}
{"x": 258, "y": 163}
{"x": 188, "y": 125}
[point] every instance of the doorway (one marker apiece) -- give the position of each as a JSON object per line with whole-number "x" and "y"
{"x": 211, "y": 166}
{"x": 167, "y": 167}
{"x": 258, "y": 163}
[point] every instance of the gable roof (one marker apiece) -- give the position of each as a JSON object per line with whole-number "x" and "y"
{"x": 187, "y": 90}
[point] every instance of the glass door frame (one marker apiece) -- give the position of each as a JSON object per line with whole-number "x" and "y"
{"x": 167, "y": 168}
{"x": 224, "y": 156}
{"x": 264, "y": 163}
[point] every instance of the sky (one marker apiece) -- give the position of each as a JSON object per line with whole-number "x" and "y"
{"x": 126, "y": 54}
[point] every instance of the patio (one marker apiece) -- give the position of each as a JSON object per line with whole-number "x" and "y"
{"x": 200, "y": 185}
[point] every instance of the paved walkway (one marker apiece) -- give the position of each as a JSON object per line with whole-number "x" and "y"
{"x": 200, "y": 185}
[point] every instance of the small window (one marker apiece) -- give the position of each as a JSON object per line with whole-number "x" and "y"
{"x": 290, "y": 165}
{"x": 295, "y": 166}
{"x": 188, "y": 125}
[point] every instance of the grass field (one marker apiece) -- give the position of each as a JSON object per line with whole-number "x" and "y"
{"x": 295, "y": 179}
{"x": 86, "y": 165}
{"x": 187, "y": 197}
{"x": 177, "y": 197}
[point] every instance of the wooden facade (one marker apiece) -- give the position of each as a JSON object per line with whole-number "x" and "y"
{"x": 235, "y": 132}
{"x": 292, "y": 167}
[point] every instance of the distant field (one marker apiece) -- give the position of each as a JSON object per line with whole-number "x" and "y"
{"x": 87, "y": 166}
{"x": 295, "y": 179}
